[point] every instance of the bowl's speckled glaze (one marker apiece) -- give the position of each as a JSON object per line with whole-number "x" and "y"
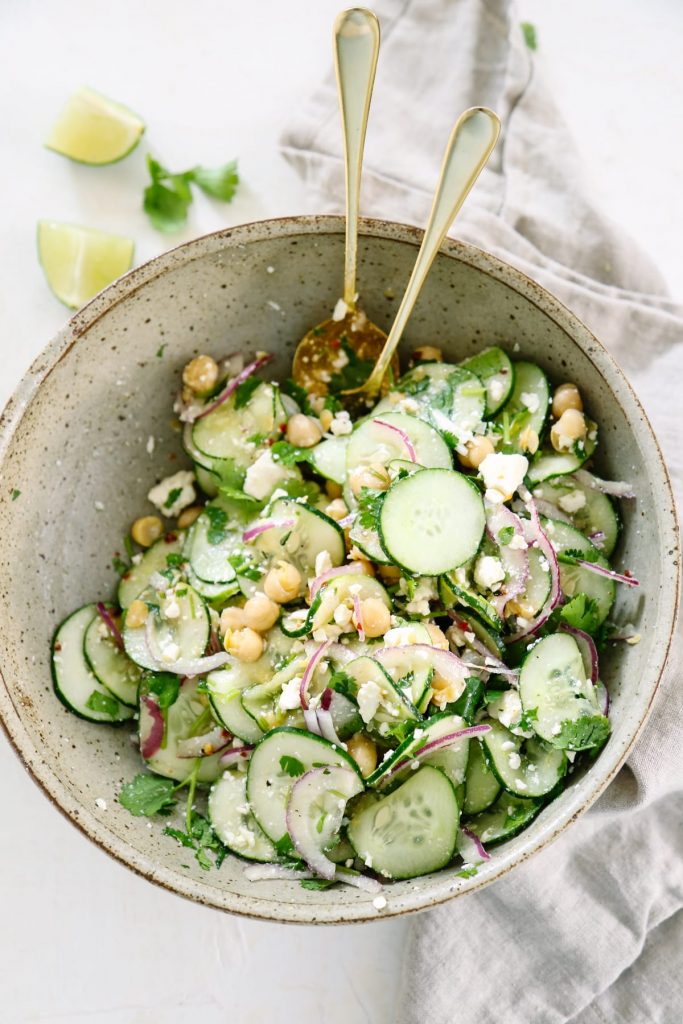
{"x": 73, "y": 441}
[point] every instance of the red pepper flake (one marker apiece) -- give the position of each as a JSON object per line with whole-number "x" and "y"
{"x": 170, "y": 538}
{"x": 58, "y": 647}
{"x": 335, "y": 343}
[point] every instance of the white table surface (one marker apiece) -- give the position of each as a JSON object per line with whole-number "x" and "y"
{"x": 82, "y": 938}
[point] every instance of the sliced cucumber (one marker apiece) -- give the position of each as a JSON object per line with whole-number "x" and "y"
{"x": 312, "y": 533}
{"x": 508, "y": 816}
{"x": 208, "y": 480}
{"x": 261, "y": 701}
{"x": 557, "y": 696}
{"x": 315, "y": 810}
{"x": 538, "y": 584}
{"x": 154, "y": 560}
{"x": 453, "y": 593}
{"x": 225, "y": 688}
{"x": 527, "y": 406}
{"x": 549, "y": 463}
{"x": 596, "y": 518}
{"x": 233, "y": 822}
{"x": 183, "y": 636}
{"x": 329, "y": 459}
{"x": 432, "y": 522}
{"x": 187, "y": 716}
{"x": 341, "y": 590}
{"x": 216, "y": 594}
{"x": 209, "y": 550}
{"x": 385, "y": 708}
{"x": 466, "y": 623}
{"x": 525, "y": 767}
{"x": 366, "y": 539}
{"x": 451, "y": 760}
{"x": 281, "y": 757}
{"x": 573, "y": 578}
{"x": 451, "y": 398}
{"x": 226, "y": 432}
{"x": 494, "y": 369}
{"x": 410, "y": 832}
{"x": 481, "y": 785}
{"x": 410, "y": 669}
{"x": 373, "y": 443}
{"x": 111, "y": 665}
{"x": 75, "y": 684}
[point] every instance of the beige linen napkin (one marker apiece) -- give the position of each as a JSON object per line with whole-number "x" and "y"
{"x": 591, "y": 930}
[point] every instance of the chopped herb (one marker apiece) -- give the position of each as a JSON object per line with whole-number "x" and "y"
{"x": 332, "y": 403}
{"x": 173, "y": 496}
{"x": 168, "y": 197}
{"x": 355, "y": 373}
{"x": 289, "y": 454}
{"x": 505, "y": 535}
{"x": 232, "y": 494}
{"x": 467, "y": 873}
{"x": 245, "y": 390}
{"x": 295, "y": 391}
{"x": 294, "y": 488}
{"x": 218, "y": 519}
{"x": 161, "y": 349}
{"x": 529, "y": 33}
{"x": 573, "y": 555}
{"x": 174, "y": 560}
{"x": 164, "y": 685}
{"x": 529, "y": 715}
{"x": 128, "y": 545}
{"x": 201, "y": 838}
{"x": 15, "y": 493}
{"x": 342, "y": 683}
{"x": 147, "y": 795}
{"x": 284, "y": 846}
{"x": 320, "y": 823}
{"x": 415, "y": 385}
{"x": 257, "y": 439}
{"x": 582, "y": 612}
{"x": 584, "y": 733}
{"x": 291, "y": 766}
{"x": 317, "y": 884}
{"x": 119, "y": 566}
{"x": 103, "y": 704}
{"x": 217, "y": 182}
{"x": 369, "y": 507}
{"x": 244, "y": 565}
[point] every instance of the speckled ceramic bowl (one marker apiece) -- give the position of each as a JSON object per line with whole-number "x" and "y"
{"x": 73, "y": 441}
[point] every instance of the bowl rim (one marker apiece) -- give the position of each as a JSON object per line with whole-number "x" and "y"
{"x": 443, "y": 887}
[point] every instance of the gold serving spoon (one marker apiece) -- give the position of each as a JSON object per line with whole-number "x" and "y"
{"x": 470, "y": 145}
{"x": 319, "y": 354}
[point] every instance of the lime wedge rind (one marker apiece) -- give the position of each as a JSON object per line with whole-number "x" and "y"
{"x": 79, "y": 262}
{"x": 94, "y": 130}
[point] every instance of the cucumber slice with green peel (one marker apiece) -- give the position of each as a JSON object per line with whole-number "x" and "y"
{"x": 538, "y": 584}
{"x": 409, "y": 670}
{"x": 494, "y": 369}
{"x": 558, "y": 698}
{"x": 75, "y": 683}
{"x": 111, "y": 665}
{"x": 208, "y": 551}
{"x": 385, "y": 708}
{"x": 481, "y": 785}
{"x": 505, "y": 818}
{"x": 311, "y": 533}
{"x": 315, "y": 810}
{"x": 233, "y": 822}
{"x": 278, "y": 760}
{"x": 329, "y": 459}
{"x": 451, "y": 760}
{"x": 466, "y": 623}
{"x": 366, "y": 539}
{"x": 451, "y": 398}
{"x": 215, "y": 594}
{"x": 154, "y": 560}
{"x": 527, "y": 406}
{"x": 226, "y": 432}
{"x": 93, "y": 129}
{"x": 410, "y": 832}
{"x": 574, "y": 579}
{"x": 187, "y": 716}
{"x": 590, "y": 511}
{"x": 432, "y": 522}
{"x": 261, "y": 701}
{"x": 207, "y": 480}
{"x": 373, "y": 443}
{"x": 524, "y": 767}
{"x": 342, "y": 590}
{"x": 549, "y": 464}
{"x": 79, "y": 262}
{"x": 184, "y": 636}
{"x": 455, "y": 595}
{"x": 225, "y": 687}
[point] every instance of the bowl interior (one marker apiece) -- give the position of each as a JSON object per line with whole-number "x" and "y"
{"x": 75, "y": 445}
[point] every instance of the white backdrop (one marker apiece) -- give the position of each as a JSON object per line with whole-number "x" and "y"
{"x": 81, "y": 937}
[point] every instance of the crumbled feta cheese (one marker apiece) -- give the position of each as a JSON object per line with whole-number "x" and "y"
{"x": 520, "y": 784}
{"x": 274, "y": 305}
{"x": 341, "y": 424}
{"x": 99, "y": 507}
{"x": 170, "y": 609}
{"x": 502, "y": 475}
{"x": 530, "y": 401}
{"x": 150, "y": 444}
{"x": 263, "y": 476}
{"x": 368, "y": 697}
{"x": 425, "y": 591}
{"x": 572, "y": 501}
{"x": 515, "y": 761}
{"x": 402, "y": 636}
{"x": 102, "y": 804}
{"x": 340, "y": 310}
{"x": 408, "y": 405}
{"x": 556, "y": 729}
{"x": 509, "y": 708}
{"x": 379, "y": 903}
{"x": 170, "y": 653}
{"x": 489, "y": 572}
{"x": 270, "y": 270}
{"x": 323, "y": 562}
{"x": 633, "y": 640}
{"x": 290, "y": 698}
{"x": 496, "y": 389}
{"x": 174, "y": 493}
{"x": 518, "y": 543}
{"x": 340, "y": 361}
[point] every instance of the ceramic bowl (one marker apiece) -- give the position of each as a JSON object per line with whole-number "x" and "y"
{"x": 73, "y": 440}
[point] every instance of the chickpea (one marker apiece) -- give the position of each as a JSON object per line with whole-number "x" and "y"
{"x": 337, "y": 509}
{"x": 427, "y": 354}
{"x": 303, "y": 431}
{"x": 260, "y": 613}
{"x": 566, "y": 397}
{"x": 282, "y": 583}
{"x": 245, "y": 644}
{"x": 389, "y": 573}
{"x": 374, "y": 476}
{"x": 356, "y": 555}
{"x": 364, "y": 752}
{"x": 570, "y": 427}
{"x": 232, "y": 618}
{"x": 326, "y": 417}
{"x": 444, "y": 691}
{"x": 136, "y": 616}
{"x": 201, "y": 374}
{"x": 477, "y": 450}
{"x": 518, "y": 606}
{"x": 438, "y": 637}
{"x": 188, "y": 516}
{"x": 333, "y": 490}
{"x": 146, "y": 530}
{"x": 375, "y": 617}
{"x": 528, "y": 440}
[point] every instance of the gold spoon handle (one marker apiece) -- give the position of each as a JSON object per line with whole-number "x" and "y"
{"x": 469, "y": 147}
{"x": 356, "y": 46}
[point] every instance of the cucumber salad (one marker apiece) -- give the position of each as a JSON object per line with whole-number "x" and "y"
{"x": 359, "y": 649}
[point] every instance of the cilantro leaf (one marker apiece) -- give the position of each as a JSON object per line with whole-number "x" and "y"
{"x": 295, "y": 391}
{"x": 174, "y": 560}
{"x": 15, "y": 493}
{"x": 355, "y": 373}
{"x": 164, "y": 685}
{"x": 467, "y": 872}
{"x": 160, "y": 350}
{"x": 369, "y": 507}
{"x": 201, "y": 838}
{"x": 218, "y": 519}
{"x": 217, "y": 182}
{"x": 119, "y": 566}
{"x": 342, "y": 683}
{"x": 284, "y": 846}
{"x": 581, "y": 612}
{"x": 167, "y": 198}
{"x": 469, "y": 700}
{"x": 291, "y": 766}
{"x": 245, "y": 390}
{"x": 288, "y": 454}
{"x": 245, "y": 565}
{"x": 103, "y": 704}
{"x": 147, "y": 795}
{"x": 583, "y": 733}
{"x": 232, "y": 494}
{"x": 529, "y": 33}
{"x": 173, "y": 496}
{"x": 317, "y": 884}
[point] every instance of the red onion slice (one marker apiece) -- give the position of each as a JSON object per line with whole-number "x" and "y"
{"x": 600, "y": 570}
{"x": 310, "y": 669}
{"x": 341, "y": 653}
{"x": 274, "y": 872}
{"x": 537, "y": 536}
{"x": 358, "y": 881}
{"x": 589, "y": 651}
{"x": 515, "y": 560}
{"x": 474, "y": 838}
{"x": 407, "y": 443}
{"x": 357, "y": 616}
{"x": 312, "y": 723}
{"x": 497, "y": 666}
{"x": 269, "y": 524}
{"x": 107, "y": 619}
{"x": 151, "y": 738}
{"x": 183, "y": 666}
{"x": 191, "y": 415}
{"x": 439, "y": 744}
{"x": 327, "y": 729}
{"x": 312, "y": 832}
{"x": 340, "y": 570}
{"x": 617, "y": 488}
{"x": 551, "y": 511}
{"x": 195, "y": 746}
{"x": 236, "y": 754}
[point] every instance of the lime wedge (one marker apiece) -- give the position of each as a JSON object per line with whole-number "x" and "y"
{"x": 94, "y": 130}
{"x": 79, "y": 262}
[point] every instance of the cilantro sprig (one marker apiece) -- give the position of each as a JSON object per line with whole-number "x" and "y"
{"x": 168, "y": 197}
